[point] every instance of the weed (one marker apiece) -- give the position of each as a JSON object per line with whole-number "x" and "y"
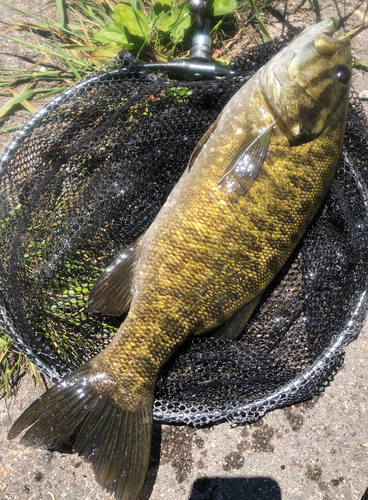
{"x": 153, "y": 29}
{"x": 11, "y": 364}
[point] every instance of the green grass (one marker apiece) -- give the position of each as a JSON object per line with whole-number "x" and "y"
{"x": 11, "y": 366}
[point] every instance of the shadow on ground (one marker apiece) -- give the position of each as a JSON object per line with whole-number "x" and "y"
{"x": 255, "y": 488}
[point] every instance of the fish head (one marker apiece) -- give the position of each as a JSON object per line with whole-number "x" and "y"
{"x": 308, "y": 82}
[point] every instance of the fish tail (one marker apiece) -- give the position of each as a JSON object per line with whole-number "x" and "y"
{"x": 115, "y": 440}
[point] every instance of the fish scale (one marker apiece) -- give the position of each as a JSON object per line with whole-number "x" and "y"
{"x": 258, "y": 217}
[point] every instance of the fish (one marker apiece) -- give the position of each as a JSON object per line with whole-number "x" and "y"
{"x": 252, "y": 186}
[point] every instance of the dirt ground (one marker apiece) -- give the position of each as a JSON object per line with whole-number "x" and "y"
{"x": 316, "y": 450}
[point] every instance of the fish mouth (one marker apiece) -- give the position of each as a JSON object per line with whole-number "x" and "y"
{"x": 320, "y": 35}
{"x": 331, "y": 30}
{"x": 301, "y": 76}
{"x": 327, "y": 27}
{"x": 325, "y": 45}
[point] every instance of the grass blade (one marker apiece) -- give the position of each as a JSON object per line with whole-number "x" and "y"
{"x": 28, "y": 14}
{"x": 34, "y": 372}
{"x": 9, "y": 129}
{"x": 46, "y": 75}
{"x": 21, "y": 11}
{"x": 365, "y": 12}
{"x": 266, "y": 37}
{"x": 85, "y": 48}
{"x": 360, "y": 65}
{"x": 48, "y": 51}
{"x": 23, "y": 96}
{"x": 66, "y": 58}
{"x": 60, "y": 4}
{"x": 4, "y": 344}
{"x": 27, "y": 105}
{"x": 47, "y": 92}
{"x": 6, "y": 376}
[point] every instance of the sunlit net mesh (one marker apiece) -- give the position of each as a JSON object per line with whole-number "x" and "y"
{"x": 88, "y": 174}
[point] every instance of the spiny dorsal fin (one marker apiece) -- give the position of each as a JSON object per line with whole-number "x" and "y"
{"x": 112, "y": 293}
{"x": 202, "y": 143}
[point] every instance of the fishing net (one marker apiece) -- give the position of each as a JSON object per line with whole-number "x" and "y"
{"x": 88, "y": 174}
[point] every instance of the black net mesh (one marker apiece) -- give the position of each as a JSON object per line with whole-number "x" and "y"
{"x": 87, "y": 175}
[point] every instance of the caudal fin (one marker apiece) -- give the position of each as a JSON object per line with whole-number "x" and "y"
{"x": 116, "y": 441}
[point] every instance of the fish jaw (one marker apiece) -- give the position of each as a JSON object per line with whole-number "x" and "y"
{"x": 303, "y": 83}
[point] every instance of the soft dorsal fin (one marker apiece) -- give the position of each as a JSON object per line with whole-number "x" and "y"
{"x": 249, "y": 151}
{"x": 112, "y": 293}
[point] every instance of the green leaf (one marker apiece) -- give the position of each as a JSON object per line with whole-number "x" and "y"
{"x": 159, "y": 10}
{"x": 104, "y": 54}
{"x": 23, "y": 96}
{"x": 115, "y": 15}
{"x": 221, "y": 7}
{"x": 170, "y": 3}
{"x": 135, "y": 21}
{"x": 118, "y": 33}
{"x": 223, "y": 62}
{"x": 177, "y": 22}
{"x": 182, "y": 25}
{"x": 166, "y": 22}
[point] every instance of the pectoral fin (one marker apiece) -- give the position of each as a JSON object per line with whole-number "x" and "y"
{"x": 232, "y": 328}
{"x": 249, "y": 151}
{"x": 112, "y": 293}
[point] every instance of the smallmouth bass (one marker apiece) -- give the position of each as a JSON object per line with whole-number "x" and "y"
{"x": 252, "y": 187}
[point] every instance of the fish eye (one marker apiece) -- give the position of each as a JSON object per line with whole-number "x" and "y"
{"x": 343, "y": 74}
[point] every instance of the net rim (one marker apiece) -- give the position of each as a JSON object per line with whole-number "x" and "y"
{"x": 258, "y": 407}
{"x": 289, "y": 393}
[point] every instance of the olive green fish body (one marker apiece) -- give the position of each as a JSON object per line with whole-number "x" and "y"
{"x": 252, "y": 187}
{"x": 210, "y": 252}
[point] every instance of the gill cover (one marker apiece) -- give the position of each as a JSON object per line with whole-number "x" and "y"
{"x": 308, "y": 81}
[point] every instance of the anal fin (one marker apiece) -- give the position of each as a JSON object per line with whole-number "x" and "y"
{"x": 232, "y": 328}
{"x": 112, "y": 292}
